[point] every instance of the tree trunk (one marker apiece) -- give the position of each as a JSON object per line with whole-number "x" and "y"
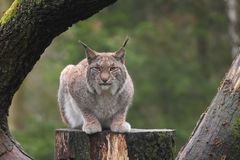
{"x": 232, "y": 27}
{"x": 217, "y": 134}
{"x": 106, "y": 145}
{"x": 26, "y": 29}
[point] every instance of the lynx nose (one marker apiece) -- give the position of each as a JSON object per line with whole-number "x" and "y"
{"x": 104, "y": 76}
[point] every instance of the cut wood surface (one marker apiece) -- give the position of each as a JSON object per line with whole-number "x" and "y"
{"x": 139, "y": 144}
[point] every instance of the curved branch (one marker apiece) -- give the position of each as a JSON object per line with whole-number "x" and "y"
{"x": 26, "y": 30}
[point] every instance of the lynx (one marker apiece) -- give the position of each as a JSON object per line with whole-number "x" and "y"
{"x": 96, "y": 93}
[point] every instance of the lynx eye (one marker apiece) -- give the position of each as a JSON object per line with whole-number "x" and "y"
{"x": 113, "y": 68}
{"x": 96, "y": 69}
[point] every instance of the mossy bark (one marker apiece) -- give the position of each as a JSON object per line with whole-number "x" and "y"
{"x": 10, "y": 13}
{"x": 217, "y": 134}
{"x": 136, "y": 145}
{"x": 26, "y": 29}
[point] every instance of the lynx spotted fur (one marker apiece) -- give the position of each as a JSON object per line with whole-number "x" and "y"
{"x": 96, "y": 93}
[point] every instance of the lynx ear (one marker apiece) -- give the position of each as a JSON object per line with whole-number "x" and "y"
{"x": 90, "y": 53}
{"x": 120, "y": 54}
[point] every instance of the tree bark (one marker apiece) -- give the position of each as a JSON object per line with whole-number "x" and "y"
{"x": 135, "y": 145}
{"x": 26, "y": 29}
{"x": 232, "y": 27}
{"x": 217, "y": 134}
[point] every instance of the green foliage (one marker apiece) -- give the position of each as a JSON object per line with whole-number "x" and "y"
{"x": 177, "y": 54}
{"x": 41, "y": 142}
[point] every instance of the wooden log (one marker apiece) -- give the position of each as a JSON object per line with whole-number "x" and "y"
{"x": 139, "y": 144}
{"x": 217, "y": 133}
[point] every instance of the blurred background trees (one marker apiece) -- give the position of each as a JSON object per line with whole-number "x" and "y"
{"x": 177, "y": 55}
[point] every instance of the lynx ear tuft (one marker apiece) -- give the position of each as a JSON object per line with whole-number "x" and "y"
{"x": 90, "y": 53}
{"x": 125, "y": 42}
{"x": 120, "y": 54}
{"x": 83, "y": 44}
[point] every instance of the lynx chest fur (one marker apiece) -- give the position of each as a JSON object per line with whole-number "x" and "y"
{"x": 97, "y": 92}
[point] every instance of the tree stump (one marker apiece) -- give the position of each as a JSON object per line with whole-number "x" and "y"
{"x": 139, "y": 144}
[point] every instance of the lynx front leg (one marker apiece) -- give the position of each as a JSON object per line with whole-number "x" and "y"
{"x": 91, "y": 124}
{"x": 119, "y": 123}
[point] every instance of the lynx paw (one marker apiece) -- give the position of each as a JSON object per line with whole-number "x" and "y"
{"x": 122, "y": 127}
{"x": 90, "y": 128}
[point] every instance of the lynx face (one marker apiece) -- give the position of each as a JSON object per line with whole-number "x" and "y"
{"x": 106, "y": 72}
